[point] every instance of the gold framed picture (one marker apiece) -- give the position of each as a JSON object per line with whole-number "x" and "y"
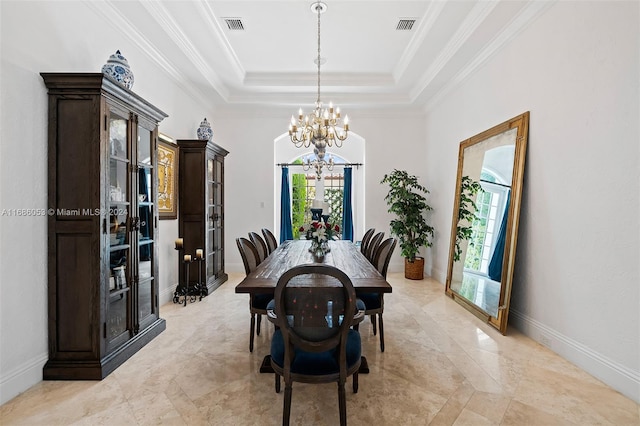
{"x": 167, "y": 178}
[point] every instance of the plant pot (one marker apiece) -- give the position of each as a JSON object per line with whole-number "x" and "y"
{"x": 414, "y": 270}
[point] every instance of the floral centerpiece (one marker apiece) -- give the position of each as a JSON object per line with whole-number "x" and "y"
{"x": 319, "y": 233}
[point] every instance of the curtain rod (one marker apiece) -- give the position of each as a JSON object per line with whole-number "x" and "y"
{"x": 496, "y": 183}
{"x": 335, "y": 164}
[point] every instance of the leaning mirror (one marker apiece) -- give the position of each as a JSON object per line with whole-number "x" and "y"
{"x": 484, "y": 228}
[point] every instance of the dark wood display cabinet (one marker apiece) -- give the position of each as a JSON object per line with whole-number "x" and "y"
{"x": 102, "y": 226}
{"x": 201, "y": 210}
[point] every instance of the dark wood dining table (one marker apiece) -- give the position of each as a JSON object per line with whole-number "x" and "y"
{"x": 344, "y": 255}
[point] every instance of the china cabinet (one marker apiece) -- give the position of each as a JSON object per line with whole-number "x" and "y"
{"x": 102, "y": 225}
{"x": 201, "y": 209}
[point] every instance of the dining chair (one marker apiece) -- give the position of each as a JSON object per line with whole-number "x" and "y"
{"x": 270, "y": 239}
{"x": 373, "y": 246}
{"x": 257, "y": 302}
{"x": 365, "y": 240}
{"x": 314, "y": 341}
{"x": 261, "y": 246}
{"x": 374, "y": 302}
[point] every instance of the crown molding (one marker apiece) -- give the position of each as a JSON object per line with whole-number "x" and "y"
{"x": 120, "y": 21}
{"x": 525, "y": 17}
{"x": 473, "y": 20}
{"x": 163, "y": 17}
{"x": 307, "y": 79}
{"x": 432, "y": 14}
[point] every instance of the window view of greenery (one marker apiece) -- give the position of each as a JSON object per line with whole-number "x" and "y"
{"x": 303, "y": 192}
{"x": 479, "y": 226}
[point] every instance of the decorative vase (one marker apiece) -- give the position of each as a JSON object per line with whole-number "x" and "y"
{"x": 205, "y": 132}
{"x": 117, "y": 68}
{"x": 318, "y": 257}
{"x": 318, "y": 250}
{"x": 315, "y": 246}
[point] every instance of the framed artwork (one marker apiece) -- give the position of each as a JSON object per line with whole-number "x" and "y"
{"x": 167, "y": 178}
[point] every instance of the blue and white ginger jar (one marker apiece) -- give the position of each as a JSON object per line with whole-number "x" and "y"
{"x": 117, "y": 67}
{"x": 204, "y": 132}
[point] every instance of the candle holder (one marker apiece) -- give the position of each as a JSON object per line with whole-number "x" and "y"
{"x": 179, "y": 247}
{"x": 187, "y": 262}
{"x": 203, "y": 290}
{"x": 316, "y": 214}
{"x": 325, "y": 218}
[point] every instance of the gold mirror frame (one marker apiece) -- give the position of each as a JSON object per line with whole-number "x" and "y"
{"x": 474, "y": 252}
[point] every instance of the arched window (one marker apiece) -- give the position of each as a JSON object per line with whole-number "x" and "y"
{"x": 353, "y": 151}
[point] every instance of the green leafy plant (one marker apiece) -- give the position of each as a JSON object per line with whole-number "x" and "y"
{"x": 406, "y": 199}
{"x": 299, "y": 200}
{"x": 466, "y": 212}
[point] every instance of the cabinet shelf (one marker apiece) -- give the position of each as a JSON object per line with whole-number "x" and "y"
{"x": 118, "y": 293}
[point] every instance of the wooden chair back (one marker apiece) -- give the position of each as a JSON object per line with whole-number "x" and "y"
{"x": 249, "y": 254}
{"x": 315, "y": 306}
{"x": 270, "y": 239}
{"x": 365, "y": 240}
{"x": 382, "y": 256}
{"x": 373, "y": 245}
{"x": 261, "y": 246}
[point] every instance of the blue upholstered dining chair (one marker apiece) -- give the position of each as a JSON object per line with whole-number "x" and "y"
{"x": 257, "y": 302}
{"x": 314, "y": 341}
{"x": 373, "y": 303}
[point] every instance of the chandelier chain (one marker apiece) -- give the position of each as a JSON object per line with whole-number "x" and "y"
{"x": 323, "y": 127}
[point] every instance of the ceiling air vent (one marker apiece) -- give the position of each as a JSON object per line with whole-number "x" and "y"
{"x": 405, "y": 24}
{"x": 234, "y": 24}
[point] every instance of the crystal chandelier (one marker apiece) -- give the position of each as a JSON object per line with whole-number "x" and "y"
{"x": 320, "y": 127}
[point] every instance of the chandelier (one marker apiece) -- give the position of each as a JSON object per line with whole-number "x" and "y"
{"x": 320, "y": 128}
{"x": 317, "y": 164}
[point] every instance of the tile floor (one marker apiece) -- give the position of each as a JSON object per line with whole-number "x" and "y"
{"x": 441, "y": 366}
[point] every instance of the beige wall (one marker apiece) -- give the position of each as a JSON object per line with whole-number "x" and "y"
{"x": 575, "y": 69}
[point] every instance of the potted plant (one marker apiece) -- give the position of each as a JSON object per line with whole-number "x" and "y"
{"x": 406, "y": 199}
{"x": 466, "y": 213}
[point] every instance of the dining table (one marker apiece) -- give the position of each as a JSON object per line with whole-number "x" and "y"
{"x": 343, "y": 254}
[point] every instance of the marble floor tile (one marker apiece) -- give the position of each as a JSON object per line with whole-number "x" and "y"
{"x": 441, "y": 366}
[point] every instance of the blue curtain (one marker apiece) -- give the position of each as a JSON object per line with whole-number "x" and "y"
{"x": 347, "y": 210}
{"x": 495, "y": 265}
{"x": 286, "y": 229}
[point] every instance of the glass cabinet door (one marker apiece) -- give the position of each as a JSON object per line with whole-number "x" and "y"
{"x": 218, "y": 266}
{"x": 118, "y": 315}
{"x": 145, "y": 226}
{"x": 210, "y": 221}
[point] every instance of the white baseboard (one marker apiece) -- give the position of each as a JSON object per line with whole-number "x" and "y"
{"x": 234, "y": 268}
{"x": 619, "y": 377}
{"x": 166, "y": 295}
{"x": 22, "y": 378}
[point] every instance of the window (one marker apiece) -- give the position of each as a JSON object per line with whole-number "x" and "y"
{"x": 305, "y": 186}
{"x": 490, "y": 202}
